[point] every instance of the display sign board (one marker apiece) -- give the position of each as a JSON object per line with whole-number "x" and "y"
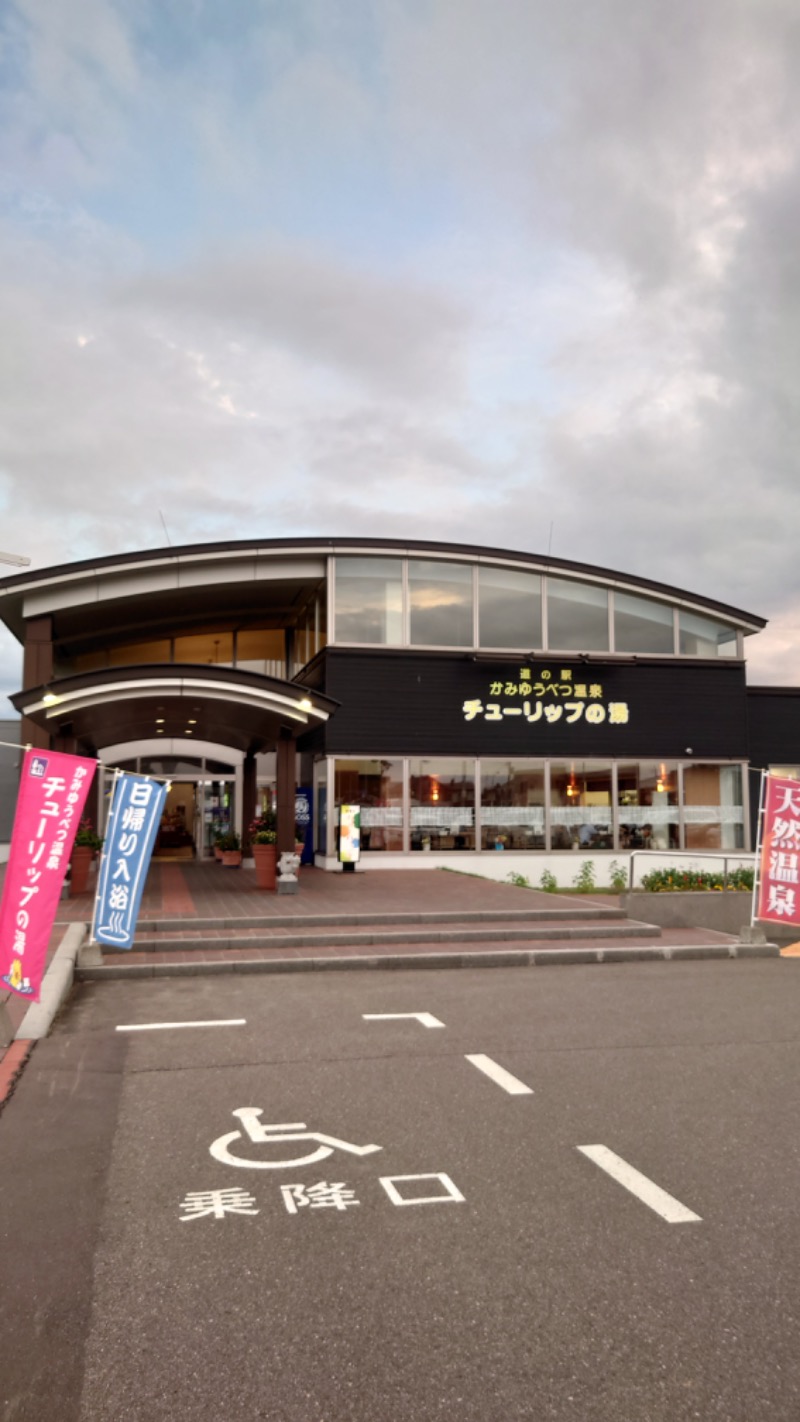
{"x": 349, "y": 833}
{"x": 132, "y": 827}
{"x": 777, "y": 898}
{"x": 52, "y": 794}
{"x": 303, "y": 820}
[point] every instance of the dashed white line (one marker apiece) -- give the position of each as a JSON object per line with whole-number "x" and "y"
{"x": 426, "y": 1018}
{"x": 498, "y": 1074}
{"x": 163, "y": 1026}
{"x": 645, "y": 1190}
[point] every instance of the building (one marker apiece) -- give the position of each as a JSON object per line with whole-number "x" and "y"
{"x": 468, "y": 699}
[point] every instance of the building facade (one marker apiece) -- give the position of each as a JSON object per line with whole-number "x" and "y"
{"x": 469, "y": 699}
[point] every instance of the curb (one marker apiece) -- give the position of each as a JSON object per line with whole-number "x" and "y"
{"x": 542, "y": 957}
{"x": 56, "y": 985}
{"x": 11, "y": 1065}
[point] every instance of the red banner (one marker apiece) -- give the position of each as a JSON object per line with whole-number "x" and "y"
{"x": 779, "y": 878}
{"x": 52, "y": 794}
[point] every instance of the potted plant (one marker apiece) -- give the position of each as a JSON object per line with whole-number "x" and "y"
{"x": 87, "y": 843}
{"x": 299, "y": 837}
{"x": 219, "y": 835}
{"x": 231, "y": 847}
{"x": 263, "y": 836}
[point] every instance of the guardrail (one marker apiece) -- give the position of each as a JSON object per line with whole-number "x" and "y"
{"x": 739, "y": 856}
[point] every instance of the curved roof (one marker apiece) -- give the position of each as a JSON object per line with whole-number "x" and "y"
{"x": 296, "y": 560}
{"x": 221, "y": 704}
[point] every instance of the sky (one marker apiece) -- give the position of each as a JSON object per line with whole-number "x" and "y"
{"x": 522, "y": 274}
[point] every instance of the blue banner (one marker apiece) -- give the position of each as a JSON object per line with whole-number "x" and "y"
{"x": 133, "y": 823}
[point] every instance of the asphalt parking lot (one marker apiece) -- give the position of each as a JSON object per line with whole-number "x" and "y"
{"x": 574, "y": 1198}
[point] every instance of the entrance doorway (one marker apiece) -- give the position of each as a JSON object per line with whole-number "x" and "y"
{"x": 176, "y": 834}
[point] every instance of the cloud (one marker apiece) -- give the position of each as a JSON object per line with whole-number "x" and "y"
{"x": 406, "y": 270}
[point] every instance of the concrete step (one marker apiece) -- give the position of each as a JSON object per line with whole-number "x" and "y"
{"x": 493, "y": 932}
{"x": 116, "y": 968}
{"x": 268, "y": 921}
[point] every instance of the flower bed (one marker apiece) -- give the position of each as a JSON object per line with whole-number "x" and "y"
{"x": 670, "y": 881}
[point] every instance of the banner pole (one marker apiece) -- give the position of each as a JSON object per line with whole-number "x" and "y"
{"x": 102, "y": 868}
{"x": 757, "y": 864}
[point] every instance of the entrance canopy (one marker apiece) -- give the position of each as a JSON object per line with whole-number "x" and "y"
{"x": 240, "y": 709}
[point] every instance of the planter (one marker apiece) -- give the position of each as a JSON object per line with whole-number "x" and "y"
{"x": 232, "y": 858}
{"x": 266, "y": 858}
{"x": 217, "y": 852}
{"x": 80, "y": 863}
{"x": 722, "y": 911}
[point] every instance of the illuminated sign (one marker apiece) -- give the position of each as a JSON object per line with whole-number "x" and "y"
{"x": 547, "y": 699}
{"x": 349, "y": 833}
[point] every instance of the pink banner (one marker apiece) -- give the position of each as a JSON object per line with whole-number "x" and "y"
{"x": 779, "y": 880}
{"x": 52, "y": 794}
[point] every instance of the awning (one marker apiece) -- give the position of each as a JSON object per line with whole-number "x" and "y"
{"x": 211, "y": 703}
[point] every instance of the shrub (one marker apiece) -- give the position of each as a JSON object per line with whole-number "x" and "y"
{"x": 548, "y": 882}
{"x": 618, "y": 876}
{"x": 672, "y": 881}
{"x": 518, "y": 879}
{"x": 584, "y": 879}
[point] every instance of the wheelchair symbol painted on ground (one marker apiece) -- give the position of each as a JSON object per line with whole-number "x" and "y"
{"x": 258, "y": 1134}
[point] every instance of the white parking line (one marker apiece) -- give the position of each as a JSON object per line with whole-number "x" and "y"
{"x": 499, "y": 1075}
{"x": 664, "y": 1205}
{"x": 162, "y": 1026}
{"x": 426, "y": 1018}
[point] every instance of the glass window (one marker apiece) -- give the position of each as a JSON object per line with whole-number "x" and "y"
{"x": 647, "y": 795}
{"x": 642, "y": 625}
{"x": 84, "y": 662}
{"x": 701, "y": 637}
{"x": 580, "y": 805}
{"x": 510, "y": 608}
{"x": 713, "y": 812}
{"x": 441, "y": 604}
{"x": 512, "y": 804}
{"x": 208, "y": 648}
{"x": 262, "y": 650}
{"x": 369, "y": 600}
{"x": 442, "y": 804}
{"x": 577, "y": 616}
{"x": 139, "y": 653}
{"x": 377, "y": 786}
{"x": 169, "y": 765}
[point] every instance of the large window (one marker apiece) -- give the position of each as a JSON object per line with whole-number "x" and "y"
{"x": 581, "y": 812}
{"x": 647, "y": 795}
{"x": 441, "y": 604}
{"x": 509, "y": 608}
{"x": 512, "y": 804}
{"x": 212, "y": 648}
{"x": 139, "y": 653}
{"x": 642, "y": 625}
{"x": 262, "y": 650}
{"x": 577, "y": 616}
{"x": 713, "y": 813}
{"x": 513, "y": 796}
{"x": 701, "y": 637}
{"x": 377, "y": 786}
{"x": 369, "y": 600}
{"x": 442, "y": 804}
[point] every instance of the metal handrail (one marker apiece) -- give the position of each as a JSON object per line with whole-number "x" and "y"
{"x": 696, "y": 854}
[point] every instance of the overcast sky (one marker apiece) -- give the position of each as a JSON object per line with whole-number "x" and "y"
{"x": 439, "y": 268}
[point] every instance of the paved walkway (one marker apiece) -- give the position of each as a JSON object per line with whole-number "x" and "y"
{"x": 210, "y": 890}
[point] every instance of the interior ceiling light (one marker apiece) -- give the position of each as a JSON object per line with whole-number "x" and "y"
{"x": 192, "y": 723}
{"x": 306, "y": 705}
{"x": 188, "y": 732}
{"x": 159, "y": 720}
